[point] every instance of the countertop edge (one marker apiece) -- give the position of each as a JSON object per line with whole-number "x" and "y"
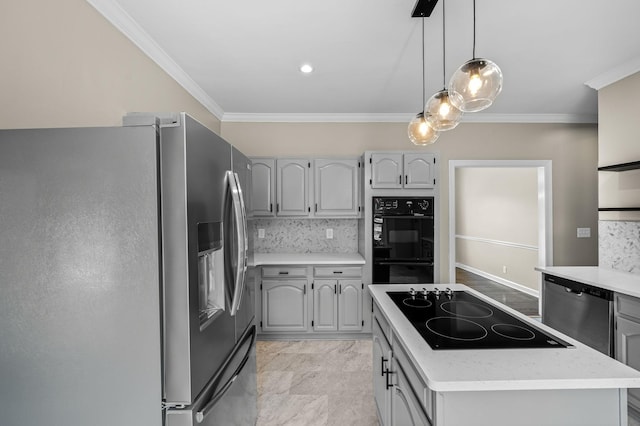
{"x": 266, "y": 259}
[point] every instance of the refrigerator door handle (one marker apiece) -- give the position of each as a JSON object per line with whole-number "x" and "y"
{"x": 245, "y": 236}
{"x": 240, "y": 260}
{"x": 201, "y": 414}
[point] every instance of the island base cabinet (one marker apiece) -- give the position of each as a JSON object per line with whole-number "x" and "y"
{"x": 405, "y": 407}
{"x": 381, "y": 359}
{"x": 566, "y": 407}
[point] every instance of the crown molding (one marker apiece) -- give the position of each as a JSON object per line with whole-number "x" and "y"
{"x": 120, "y": 19}
{"x": 404, "y": 118}
{"x": 614, "y": 75}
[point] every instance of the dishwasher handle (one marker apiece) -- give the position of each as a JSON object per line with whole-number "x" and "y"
{"x": 579, "y": 288}
{"x": 577, "y": 293}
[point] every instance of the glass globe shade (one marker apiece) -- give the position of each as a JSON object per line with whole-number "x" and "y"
{"x": 420, "y": 131}
{"x": 441, "y": 113}
{"x": 475, "y": 85}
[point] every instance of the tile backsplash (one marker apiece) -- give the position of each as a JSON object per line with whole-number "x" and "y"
{"x": 305, "y": 236}
{"x": 619, "y": 245}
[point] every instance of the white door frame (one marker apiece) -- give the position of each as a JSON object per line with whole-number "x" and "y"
{"x": 545, "y": 205}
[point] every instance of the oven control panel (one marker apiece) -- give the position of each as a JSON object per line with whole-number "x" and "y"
{"x": 403, "y": 206}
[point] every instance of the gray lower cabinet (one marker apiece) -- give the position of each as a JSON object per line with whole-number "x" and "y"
{"x": 405, "y": 406}
{"x": 337, "y": 301}
{"x": 306, "y": 299}
{"x": 284, "y": 305}
{"x": 325, "y": 305}
{"x": 381, "y": 360}
{"x": 400, "y": 395}
{"x": 627, "y": 341}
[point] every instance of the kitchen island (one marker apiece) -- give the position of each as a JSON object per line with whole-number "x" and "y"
{"x": 573, "y": 385}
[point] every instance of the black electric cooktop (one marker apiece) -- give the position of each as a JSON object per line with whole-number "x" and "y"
{"x": 459, "y": 320}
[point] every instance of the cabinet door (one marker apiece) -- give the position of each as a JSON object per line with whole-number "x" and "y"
{"x": 381, "y": 359}
{"x": 627, "y": 342}
{"x": 419, "y": 170}
{"x": 263, "y": 177}
{"x": 325, "y": 305}
{"x": 293, "y": 187}
{"x": 405, "y": 407}
{"x": 350, "y": 305}
{"x": 336, "y": 187}
{"x": 284, "y": 305}
{"x": 386, "y": 170}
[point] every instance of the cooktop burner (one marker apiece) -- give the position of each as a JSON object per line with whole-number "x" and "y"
{"x": 459, "y": 320}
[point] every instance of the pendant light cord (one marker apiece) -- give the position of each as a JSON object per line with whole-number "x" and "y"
{"x": 444, "y": 69}
{"x": 423, "y": 77}
{"x": 474, "y": 29}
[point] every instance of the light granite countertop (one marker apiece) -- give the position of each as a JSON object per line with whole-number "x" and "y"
{"x": 579, "y": 367}
{"x": 261, "y": 259}
{"x": 609, "y": 279}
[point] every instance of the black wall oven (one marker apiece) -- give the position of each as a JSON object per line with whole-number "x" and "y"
{"x": 403, "y": 245}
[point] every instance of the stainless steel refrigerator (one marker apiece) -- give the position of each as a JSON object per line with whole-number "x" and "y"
{"x": 125, "y": 297}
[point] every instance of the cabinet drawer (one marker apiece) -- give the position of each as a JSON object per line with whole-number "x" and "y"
{"x": 627, "y": 305}
{"x": 337, "y": 271}
{"x": 284, "y": 272}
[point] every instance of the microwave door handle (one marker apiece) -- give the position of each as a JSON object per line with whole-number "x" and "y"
{"x": 237, "y": 214}
{"x": 201, "y": 414}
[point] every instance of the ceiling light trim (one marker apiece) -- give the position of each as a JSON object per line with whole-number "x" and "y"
{"x": 614, "y": 75}
{"x": 402, "y": 118}
{"x": 120, "y": 19}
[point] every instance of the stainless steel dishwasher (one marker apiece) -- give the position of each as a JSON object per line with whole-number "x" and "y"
{"x": 579, "y": 310}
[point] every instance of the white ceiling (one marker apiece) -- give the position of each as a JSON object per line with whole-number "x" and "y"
{"x": 241, "y": 58}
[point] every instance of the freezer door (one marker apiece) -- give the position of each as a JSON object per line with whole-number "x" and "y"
{"x": 231, "y": 397}
{"x": 194, "y": 164}
{"x": 80, "y": 277}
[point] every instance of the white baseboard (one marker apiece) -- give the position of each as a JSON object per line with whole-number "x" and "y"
{"x": 500, "y": 280}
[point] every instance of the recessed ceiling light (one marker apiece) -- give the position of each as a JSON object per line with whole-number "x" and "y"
{"x": 306, "y": 68}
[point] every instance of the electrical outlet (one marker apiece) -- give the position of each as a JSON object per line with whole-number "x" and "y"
{"x": 504, "y": 269}
{"x": 584, "y": 232}
{"x": 260, "y": 233}
{"x": 329, "y": 233}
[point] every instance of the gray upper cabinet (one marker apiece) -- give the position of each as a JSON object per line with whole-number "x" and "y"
{"x": 418, "y": 170}
{"x": 402, "y": 170}
{"x": 263, "y": 178}
{"x": 386, "y": 170}
{"x": 336, "y": 187}
{"x": 293, "y": 187}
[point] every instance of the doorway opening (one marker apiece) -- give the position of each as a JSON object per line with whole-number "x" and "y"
{"x": 539, "y": 245}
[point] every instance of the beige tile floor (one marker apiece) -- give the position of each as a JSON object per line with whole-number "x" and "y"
{"x": 309, "y": 382}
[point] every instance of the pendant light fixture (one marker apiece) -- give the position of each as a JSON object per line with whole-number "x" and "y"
{"x": 477, "y": 83}
{"x": 420, "y": 131}
{"x": 440, "y": 112}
